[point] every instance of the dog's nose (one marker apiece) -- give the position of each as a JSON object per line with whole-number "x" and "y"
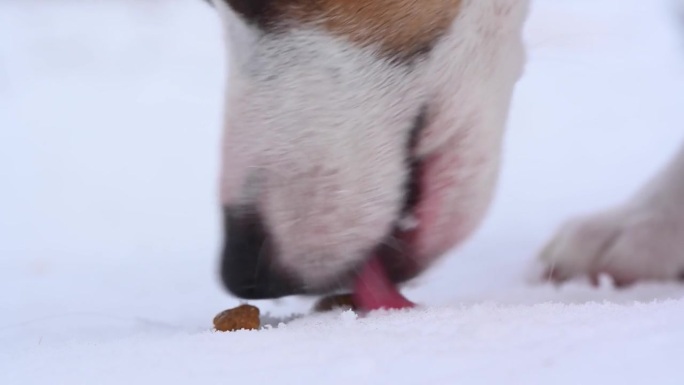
{"x": 247, "y": 268}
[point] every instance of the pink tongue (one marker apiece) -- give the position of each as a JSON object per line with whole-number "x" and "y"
{"x": 373, "y": 290}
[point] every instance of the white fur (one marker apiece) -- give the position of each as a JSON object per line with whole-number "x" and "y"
{"x": 472, "y": 75}
{"x": 316, "y": 131}
{"x": 641, "y": 239}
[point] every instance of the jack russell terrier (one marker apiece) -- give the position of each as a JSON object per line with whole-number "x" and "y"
{"x": 362, "y": 141}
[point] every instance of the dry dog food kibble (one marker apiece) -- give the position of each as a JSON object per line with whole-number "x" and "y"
{"x": 341, "y": 301}
{"x": 242, "y": 317}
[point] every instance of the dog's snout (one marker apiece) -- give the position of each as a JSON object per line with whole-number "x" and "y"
{"x": 247, "y": 267}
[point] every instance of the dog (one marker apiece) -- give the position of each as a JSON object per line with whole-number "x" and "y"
{"x": 362, "y": 140}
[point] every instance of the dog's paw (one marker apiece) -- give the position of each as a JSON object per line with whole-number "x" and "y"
{"x": 629, "y": 244}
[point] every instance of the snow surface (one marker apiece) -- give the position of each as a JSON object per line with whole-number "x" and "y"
{"x": 109, "y": 227}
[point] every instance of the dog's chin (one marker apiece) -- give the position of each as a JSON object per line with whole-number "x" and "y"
{"x": 374, "y": 282}
{"x": 393, "y": 254}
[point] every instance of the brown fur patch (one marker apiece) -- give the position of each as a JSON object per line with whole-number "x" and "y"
{"x": 401, "y": 28}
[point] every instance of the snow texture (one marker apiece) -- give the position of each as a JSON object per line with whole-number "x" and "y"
{"x": 109, "y": 227}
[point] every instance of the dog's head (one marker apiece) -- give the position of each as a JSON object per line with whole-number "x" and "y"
{"x": 325, "y": 103}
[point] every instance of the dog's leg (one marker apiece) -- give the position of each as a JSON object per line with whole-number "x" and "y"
{"x": 641, "y": 240}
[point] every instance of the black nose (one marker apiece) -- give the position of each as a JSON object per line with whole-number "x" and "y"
{"x": 247, "y": 267}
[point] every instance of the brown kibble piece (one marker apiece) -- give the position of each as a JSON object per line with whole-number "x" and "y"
{"x": 333, "y": 302}
{"x": 242, "y": 317}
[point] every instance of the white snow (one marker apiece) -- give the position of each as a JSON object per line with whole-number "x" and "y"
{"x": 109, "y": 227}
